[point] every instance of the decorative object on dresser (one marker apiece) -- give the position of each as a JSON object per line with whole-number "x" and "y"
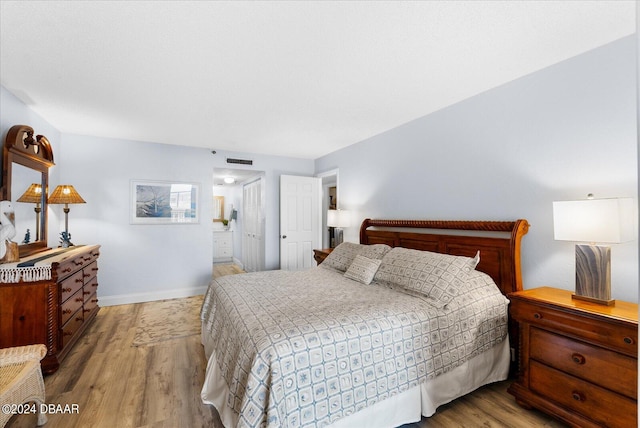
{"x": 578, "y": 359}
{"x": 321, "y": 254}
{"x": 594, "y": 221}
{"x": 66, "y": 194}
{"x": 26, "y": 160}
{"x": 50, "y": 298}
{"x": 8, "y": 248}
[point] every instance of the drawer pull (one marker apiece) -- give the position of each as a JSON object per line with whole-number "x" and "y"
{"x": 78, "y": 263}
{"x": 67, "y": 269}
{"x": 629, "y": 340}
{"x": 87, "y": 258}
{"x": 79, "y": 299}
{"x": 79, "y": 319}
{"x": 79, "y": 280}
{"x": 67, "y": 333}
{"x": 578, "y": 359}
{"x": 86, "y": 310}
{"x": 86, "y": 293}
{"x": 86, "y": 275}
{"x": 94, "y": 300}
{"x": 66, "y": 290}
{"x": 577, "y": 396}
{"x": 66, "y": 311}
{"x": 537, "y": 316}
{"x": 95, "y": 269}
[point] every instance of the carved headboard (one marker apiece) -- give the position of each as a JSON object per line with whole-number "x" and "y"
{"x": 497, "y": 241}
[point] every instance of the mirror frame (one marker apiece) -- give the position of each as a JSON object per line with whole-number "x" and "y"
{"x": 35, "y": 153}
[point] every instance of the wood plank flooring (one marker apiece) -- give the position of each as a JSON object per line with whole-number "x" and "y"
{"x": 119, "y": 385}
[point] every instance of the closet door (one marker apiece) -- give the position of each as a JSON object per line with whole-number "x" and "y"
{"x": 253, "y": 226}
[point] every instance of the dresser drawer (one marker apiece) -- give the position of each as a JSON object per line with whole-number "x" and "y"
{"x": 70, "y": 328}
{"x": 598, "y": 404}
{"x": 606, "y": 368}
{"x": 69, "y": 286}
{"x": 70, "y": 306}
{"x": 90, "y": 271}
{"x": 90, "y": 303}
{"x": 91, "y": 286}
{"x": 618, "y": 336}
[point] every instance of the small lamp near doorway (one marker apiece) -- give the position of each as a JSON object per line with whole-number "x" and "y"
{"x": 592, "y": 221}
{"x": 338, "y": 219}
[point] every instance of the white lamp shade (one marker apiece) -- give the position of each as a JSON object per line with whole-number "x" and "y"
{"x": 338, "y": 218}
{"x": 595, "y": 220}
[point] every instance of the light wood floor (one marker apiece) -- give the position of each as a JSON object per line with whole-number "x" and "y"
{"x": 119, "y": 385}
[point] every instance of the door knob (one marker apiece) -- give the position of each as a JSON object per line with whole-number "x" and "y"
{"x": 284, "y": 236}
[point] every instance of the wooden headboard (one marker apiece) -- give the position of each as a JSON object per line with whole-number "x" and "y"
{"x": 499, "y": 255}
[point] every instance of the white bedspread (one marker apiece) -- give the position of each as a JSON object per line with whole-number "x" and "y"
{"x": 308, "y": 348}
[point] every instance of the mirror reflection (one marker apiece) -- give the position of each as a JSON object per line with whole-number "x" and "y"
{"x": 27, "y": 198}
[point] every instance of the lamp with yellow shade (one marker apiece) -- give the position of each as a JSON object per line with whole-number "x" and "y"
{"x": 65, "y": 194}
{"x": 33, "y": 195}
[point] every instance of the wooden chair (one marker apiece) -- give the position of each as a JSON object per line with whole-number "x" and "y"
{"x": 21, "y": 379}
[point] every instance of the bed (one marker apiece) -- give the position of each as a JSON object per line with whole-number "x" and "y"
{"x": 381, "y": 333}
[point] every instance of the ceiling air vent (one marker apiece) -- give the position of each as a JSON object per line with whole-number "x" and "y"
{"x": 240, "y": 161}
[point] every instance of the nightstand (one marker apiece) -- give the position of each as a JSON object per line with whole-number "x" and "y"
{"x": 578, "y": 360}
{"x": 320, "y": 255}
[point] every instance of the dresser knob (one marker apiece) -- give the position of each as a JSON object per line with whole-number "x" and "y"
{"x": 629, "y": 340}
{"x": 578, "y": 359}
{"x": 577, "y": 396}
{"x": 537, "y": 316}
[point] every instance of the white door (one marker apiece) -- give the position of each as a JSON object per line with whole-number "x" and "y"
{"x": 299, "y": 221}
{"x": 253, "y": 226}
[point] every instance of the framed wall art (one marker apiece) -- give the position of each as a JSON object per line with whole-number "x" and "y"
{"x": 164, "y": 202}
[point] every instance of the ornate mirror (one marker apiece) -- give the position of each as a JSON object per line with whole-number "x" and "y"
{"x": 25, "y": 179}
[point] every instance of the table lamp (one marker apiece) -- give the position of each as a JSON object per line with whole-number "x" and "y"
{"x": 33, "y": 195}
{"x": 594, "y": 221}
{"x": 65, "y": 194}
{"x": 338, "y": 219}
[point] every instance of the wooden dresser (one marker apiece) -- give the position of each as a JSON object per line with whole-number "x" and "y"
{"x": 578, "y": 360}
{"x": 49, "y": 298}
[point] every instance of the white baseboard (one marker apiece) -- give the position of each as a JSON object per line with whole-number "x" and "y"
{"x": 126, "y": 299}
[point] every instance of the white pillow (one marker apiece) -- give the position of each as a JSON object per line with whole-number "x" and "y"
{"x": 363, "y": 269}
{"x": 343, "y": 255}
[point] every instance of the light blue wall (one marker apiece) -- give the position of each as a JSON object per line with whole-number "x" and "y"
{"x": 508, "y": 153}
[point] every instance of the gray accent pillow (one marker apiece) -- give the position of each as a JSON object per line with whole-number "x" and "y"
{"x": 343, "y": 255}
{"x": 363, "y": 269}
{"x": 439, "y": 277}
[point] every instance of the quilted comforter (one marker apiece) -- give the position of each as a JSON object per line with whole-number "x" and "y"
{"x": 307, "y": 348}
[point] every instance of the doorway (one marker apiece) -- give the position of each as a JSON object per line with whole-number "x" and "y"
{"x": 229, "y": 192}
{"x": 330, "y": 201}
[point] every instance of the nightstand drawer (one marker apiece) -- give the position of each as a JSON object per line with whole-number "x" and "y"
{"x": 599, "y": 404}
{"x": 609, "y": 369}
{"x": 618, "y": 336}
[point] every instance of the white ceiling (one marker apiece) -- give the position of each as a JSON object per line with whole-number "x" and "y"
{"x": 289, "y": 78}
